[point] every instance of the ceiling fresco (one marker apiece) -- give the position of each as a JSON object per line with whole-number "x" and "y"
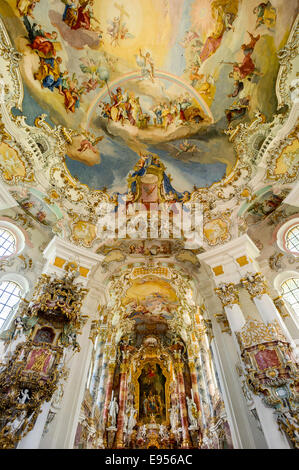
{"x": 149, "y": 77}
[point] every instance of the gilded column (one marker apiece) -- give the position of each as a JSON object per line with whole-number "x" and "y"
{"x": 194, "y": 384}
{"x": 119, "y": 441}
{"x": 179, "y": 366}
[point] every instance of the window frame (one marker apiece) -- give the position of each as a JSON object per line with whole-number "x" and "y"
{"x": 292, "y": 228}
{"x": 290, "y": 291}
{"x": 23, "y": 284}
{"x": 281, "y": 236}
{"x": 5, "y": 319}
{"x": 5, "y": 256}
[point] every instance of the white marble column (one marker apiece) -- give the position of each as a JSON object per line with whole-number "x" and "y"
{"x": 274, "y": 438}
{"x": 61, "y": 434}
{"x": 289, "y": 318}
{"x": 229, "y": 264}
{"x": 32, "y": 439}
{"x": 257, "y": 287}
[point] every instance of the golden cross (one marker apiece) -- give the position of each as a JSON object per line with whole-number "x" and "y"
{"x": 122, "y": 10}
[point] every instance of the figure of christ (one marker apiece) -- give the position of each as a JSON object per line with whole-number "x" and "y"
{"x": 118, "y": 30}
{"x": 147, "y": 66}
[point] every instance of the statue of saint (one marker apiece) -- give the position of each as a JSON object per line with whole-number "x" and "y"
{"x": 113, "y": 411}
{"x": 192, "y": 412}
{"x": 132, "y": 419}
{"x": 174, "y": 419}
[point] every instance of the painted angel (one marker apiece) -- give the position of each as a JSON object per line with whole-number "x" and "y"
{"x": 186, "y": 147}
{"x": 90, "y": 68}
{"x": 118, "y": 30}
{"x": 87, "y": 144}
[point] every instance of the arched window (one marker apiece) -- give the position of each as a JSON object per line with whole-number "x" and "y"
{"x": 7, "y": 243}
{"x": 292, "y": 239}
{"x": 290, "y": 293}
{"x": 10, "y": 296}
{"x": 287, "y": 236}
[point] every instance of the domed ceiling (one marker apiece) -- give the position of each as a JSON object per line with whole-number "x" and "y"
{"x": 139, "y": 77}
{"x": 148, "y": 100}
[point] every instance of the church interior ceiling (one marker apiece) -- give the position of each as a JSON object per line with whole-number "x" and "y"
{"x": 106, "y": 102}
{"x": 155, "y": 102}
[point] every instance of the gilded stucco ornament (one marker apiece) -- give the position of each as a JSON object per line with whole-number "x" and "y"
{"x": 255, "y": 284}
{"x": 256, "y": 332}
{"x": 222, "y": 320}
{"x": 286, "y": 55}
{"x": 42, "y": 340}
{"x": 228, "y": 294}
{"x": 216, "y": 227}
{"x": 282, "y": 165}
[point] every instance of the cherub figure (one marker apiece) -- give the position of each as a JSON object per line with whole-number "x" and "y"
{"x": 24, "y": 396}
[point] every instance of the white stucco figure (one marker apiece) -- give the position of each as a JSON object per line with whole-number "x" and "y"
{"x": 24, "y": 396}
{"x": 163, "y": 431}
{"x": 192, "y": 412}
{"x": 131, "y": 419}
{"x": 174, "y": 419}
{"x": 113, "y": 411}
{"x": 13, "y": 426}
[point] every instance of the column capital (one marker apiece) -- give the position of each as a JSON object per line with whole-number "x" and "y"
{"x": 111, "y": 367}
{"x": 179, "y": 366}
{"x": 255, "y": 284}
{"x": 228, "y": 294}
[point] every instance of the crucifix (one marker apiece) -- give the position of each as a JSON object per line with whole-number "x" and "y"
{"x": 122, "y": 12}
